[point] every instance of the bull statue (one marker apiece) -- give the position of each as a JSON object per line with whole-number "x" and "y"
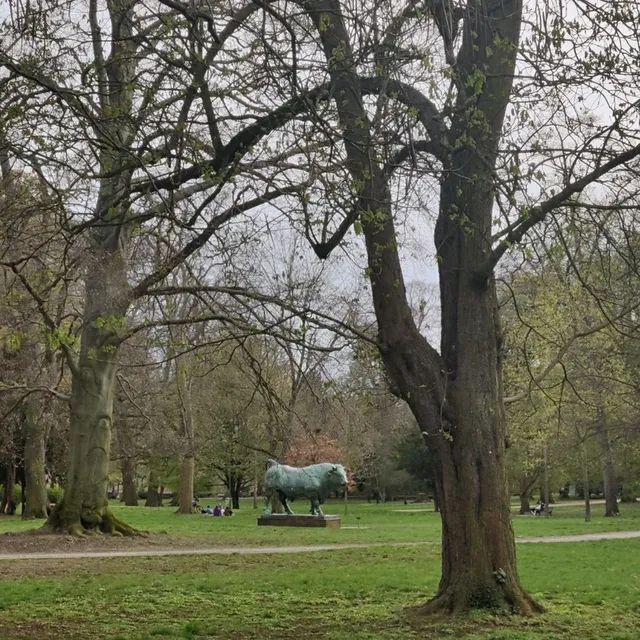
{"x": 315, "y": 482}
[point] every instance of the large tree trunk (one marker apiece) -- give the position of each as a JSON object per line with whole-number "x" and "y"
{"x": 187, "y": 462}
{"x": 185, "y": 497}
{"x": 35, "y": 494}
{"x": 107, "y": 296}
{"x": 153, "y": 497}
{"x": 609, "y": 478}
{"x": 127, "y": 465}
{"x": 129, "y": 487}
{"x": 235, "y": 486}
{"x": 8, "y": 502}
{"x": 84, "y": 506}
{"x": 456, "y": 396}
{"x": 526, "y": 484}
{"x": 585, "y": 473}
{"x": 546, "y": 485}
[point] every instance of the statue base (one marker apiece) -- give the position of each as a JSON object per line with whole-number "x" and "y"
{"x": 286, "y": 520}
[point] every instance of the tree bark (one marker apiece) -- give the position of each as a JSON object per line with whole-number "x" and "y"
{"x": 153, "y": 497}
{"x": 526, "y": 484}
{"x": 254, "y": 484}
{"x": 187, "y": 463}
{"x": 609, "y": 478}
{"x": 185, "y": 498}
{"x": 35, "y": 495}
{"x": 8, "y": 503}
{"x": 547, "y": 490}
{"x": 84, "y": 507}
{"x": 235, "y": 487}
{"x": 129, "y": 488}
{"x": 585, "y": 472}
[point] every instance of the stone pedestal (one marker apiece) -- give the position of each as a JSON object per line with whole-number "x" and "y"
{"x": 286, "y": 520}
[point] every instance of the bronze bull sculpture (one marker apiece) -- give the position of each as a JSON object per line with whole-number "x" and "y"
{"x": 315, "y": 482}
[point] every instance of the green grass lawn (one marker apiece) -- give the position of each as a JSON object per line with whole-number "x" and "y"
{"x": 391, "y": 522}
{"x": 592, "y": 592}
{"x": 591, "y": 589}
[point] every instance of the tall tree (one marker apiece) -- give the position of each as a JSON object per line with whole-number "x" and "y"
{"x": 456, "y": 393}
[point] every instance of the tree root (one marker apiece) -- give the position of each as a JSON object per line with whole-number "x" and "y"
{"x": 90, "y": 522}
{"x": 454, "y": 601}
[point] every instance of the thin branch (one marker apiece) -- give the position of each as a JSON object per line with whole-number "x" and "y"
{"x": 260, "y": 297}
{"x": 539, "y": 213}
{"x": 61, "y": 396}
{"x": 200, "y": 240}
{"x": 48, "y": 320}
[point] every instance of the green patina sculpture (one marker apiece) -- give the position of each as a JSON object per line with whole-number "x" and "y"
{"x": 315, "y": 482}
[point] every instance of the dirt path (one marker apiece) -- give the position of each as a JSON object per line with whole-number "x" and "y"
{"x": 616, "y": 535}
{"x": 514, "y": 507}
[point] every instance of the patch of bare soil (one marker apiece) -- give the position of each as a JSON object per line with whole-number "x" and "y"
{"x": 36, "y": 542}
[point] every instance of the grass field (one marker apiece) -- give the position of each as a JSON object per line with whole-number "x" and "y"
{"x": 591, "y": 589}
{"x": 391, "y": 522}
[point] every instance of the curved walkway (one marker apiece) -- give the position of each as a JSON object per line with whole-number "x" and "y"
{"x": 614, "y": 535}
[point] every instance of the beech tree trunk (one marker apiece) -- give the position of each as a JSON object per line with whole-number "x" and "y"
{"x": 35, "y": 494}
{"x": 235, "y": 486}
{"x": 187, "y": 462}
{"x": 185, "y": 498}
{"x": 546, "y": 486}
{"x": 127, "y": 465}
{"x": 526, "y": 484}
{"x": 8, "y": 503}
{"x": 107, "y": 296}
{"x": 587, "y": 488}
{"x": 609, "y": 478}
{"x": 129, "y": 488}
{"x": 153, "y": 497}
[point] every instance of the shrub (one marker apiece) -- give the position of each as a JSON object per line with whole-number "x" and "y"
{"x": 54, "y": 494}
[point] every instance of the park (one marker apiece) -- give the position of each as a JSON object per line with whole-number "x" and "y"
{"x": 319, "y": 317}
{"x": 591, "y": 589}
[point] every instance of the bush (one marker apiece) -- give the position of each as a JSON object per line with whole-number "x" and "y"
{"x": 54, "y": 494}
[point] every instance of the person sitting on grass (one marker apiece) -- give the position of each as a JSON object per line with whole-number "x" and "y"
{"x": 228, "y": 511}
{"x": 208, "y": 511}
{"x": 217, "y": 511}
{"x": 538, "y": 509}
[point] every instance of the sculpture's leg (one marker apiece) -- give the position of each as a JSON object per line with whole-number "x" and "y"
{"x": 267, "y": 504}
{"x": 315, "y": 507}
{"x": 285, "y": 504}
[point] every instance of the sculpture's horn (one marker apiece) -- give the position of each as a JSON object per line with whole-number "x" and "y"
{"x": 272, "y": 463}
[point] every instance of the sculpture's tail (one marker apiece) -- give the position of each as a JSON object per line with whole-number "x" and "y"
{"x": 272, "y": 463}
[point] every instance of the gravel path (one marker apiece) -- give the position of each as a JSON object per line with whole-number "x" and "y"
{"x": 615, "y": 535}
